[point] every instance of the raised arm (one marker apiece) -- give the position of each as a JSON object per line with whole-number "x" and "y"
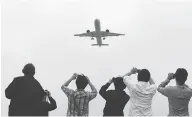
{"x": 93, "y": 93}
{"x": 92, "y": 86}
{"x": 133, "y": 71}
{"x": 103, "y": 90}
{"x": 151, "y": 81}
{"x": 64, "y": 87}
{"x": 127, "y": 81}
{"x": 162, "y": 89}
{"x": 69, "y": 81}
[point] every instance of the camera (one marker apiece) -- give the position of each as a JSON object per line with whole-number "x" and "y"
{"x": 174, "y": 75}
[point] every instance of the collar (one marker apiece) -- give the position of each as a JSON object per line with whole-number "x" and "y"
{"x": 142, "y": 82}
{"x": 80, "y": 90}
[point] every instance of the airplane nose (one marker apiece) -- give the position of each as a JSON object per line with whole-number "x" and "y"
{"x": 96, "y": 20}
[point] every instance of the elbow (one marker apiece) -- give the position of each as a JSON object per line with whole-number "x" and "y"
{"x": 100, "y": 91}
{"x": 95, "y": 91}
{"x": 62, "y": 87}
{"x": 55, "y": 106}
{"x": 7, "y": 95}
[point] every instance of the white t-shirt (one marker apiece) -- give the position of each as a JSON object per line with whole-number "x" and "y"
{"x": 141, "y": 95}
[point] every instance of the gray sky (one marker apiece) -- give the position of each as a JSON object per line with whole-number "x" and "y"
{"x": 158, "y": 37}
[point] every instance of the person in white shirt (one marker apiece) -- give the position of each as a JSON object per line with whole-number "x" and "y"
{"x": 141, "y": 93}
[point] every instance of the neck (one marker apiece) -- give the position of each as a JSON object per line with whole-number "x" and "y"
{"x": 179, "y": 84}
{"x": 28, "y": 75}
{"x": 80, "y": 89}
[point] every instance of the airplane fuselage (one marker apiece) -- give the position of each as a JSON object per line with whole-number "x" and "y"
{"x": 98, "y": 30}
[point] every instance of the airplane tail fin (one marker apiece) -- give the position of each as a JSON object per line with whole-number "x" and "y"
{"x": 100, "y": 45}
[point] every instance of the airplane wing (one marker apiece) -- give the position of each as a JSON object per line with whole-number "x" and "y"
{"x": 106, "y": 34}
{"x": 88, "y": 34}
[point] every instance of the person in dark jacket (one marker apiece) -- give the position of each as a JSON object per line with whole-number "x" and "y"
{"x": 25, "y": 93}
{"x": 115, "y": 99}
{"x": 46, "y": 105}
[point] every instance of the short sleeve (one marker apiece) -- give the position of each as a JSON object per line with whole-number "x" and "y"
{"x": 127, "y": 82}
{"x": 153, "y": 89}
{"x": 92, "y": 95}
{"x": 166, "y": 91}
{"x": 67, "y": 91}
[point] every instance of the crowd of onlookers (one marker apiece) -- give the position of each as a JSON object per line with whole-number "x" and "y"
{"x": 28, "y": 98}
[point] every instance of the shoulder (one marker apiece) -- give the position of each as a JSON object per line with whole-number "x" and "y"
{"x": 18, "y": 79}
{"x": 171, "y": 88}
{"x": 189, "y": 90}
{"x": 153, "y": 86}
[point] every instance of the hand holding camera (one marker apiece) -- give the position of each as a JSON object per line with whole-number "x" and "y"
{"x": 48, "y": 93}
{"x": 134, "y": 70}
{"x": 74, "y": 76}
{"x": 170, "y": 76}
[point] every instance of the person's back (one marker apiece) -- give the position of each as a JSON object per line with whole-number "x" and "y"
{"x": 116, "y": 103}
{"x": 178, "y": 100}
{"x": 25, "y": 93}
{"x": 115, "y": 99}
{"x": 141, "y": 98}
{"x": 79, "y": 99}
{"x": 179, "y": 95}
{"x": 141, "y": 94}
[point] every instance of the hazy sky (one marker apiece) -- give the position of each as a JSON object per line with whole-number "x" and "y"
{"x": 158, "y": 37}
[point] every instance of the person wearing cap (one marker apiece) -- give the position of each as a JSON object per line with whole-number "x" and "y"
{"x": 115, "y": 99}
{"x": 141, "y": 93}
{"x": 25, "y": 93}
{"x": 79, "y": 99}
{"x": 179, "y": 95}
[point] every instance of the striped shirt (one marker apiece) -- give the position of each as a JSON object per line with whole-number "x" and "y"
{"x": 78, "y": 101}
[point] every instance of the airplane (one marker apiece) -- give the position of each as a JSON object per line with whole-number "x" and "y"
{"x": 98, "y": 34}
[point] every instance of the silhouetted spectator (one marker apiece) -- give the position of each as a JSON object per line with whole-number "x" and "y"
{"x": 47, "y": 104}
{"x": 25, "y": 93}
{"x": 179, "y": 95}
{"x": 115, "y": 99}
{"x": 78, "y": 104}
{"x": 141, "y": 93}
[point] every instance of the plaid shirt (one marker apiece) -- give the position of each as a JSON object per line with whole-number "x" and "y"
{"x": 78, "y": 101}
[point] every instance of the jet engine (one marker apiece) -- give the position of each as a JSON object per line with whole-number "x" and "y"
{"x": 88, "y": 31}
{"x": 107, "y": 30}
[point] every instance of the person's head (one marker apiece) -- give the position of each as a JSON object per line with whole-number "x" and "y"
{"x": 118, "y": 83}
{"x": 143, "y": 75}
{"x": 81, "y": 82}
{"x": 181, "y": 76}
{"x": 29, "y": 69}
